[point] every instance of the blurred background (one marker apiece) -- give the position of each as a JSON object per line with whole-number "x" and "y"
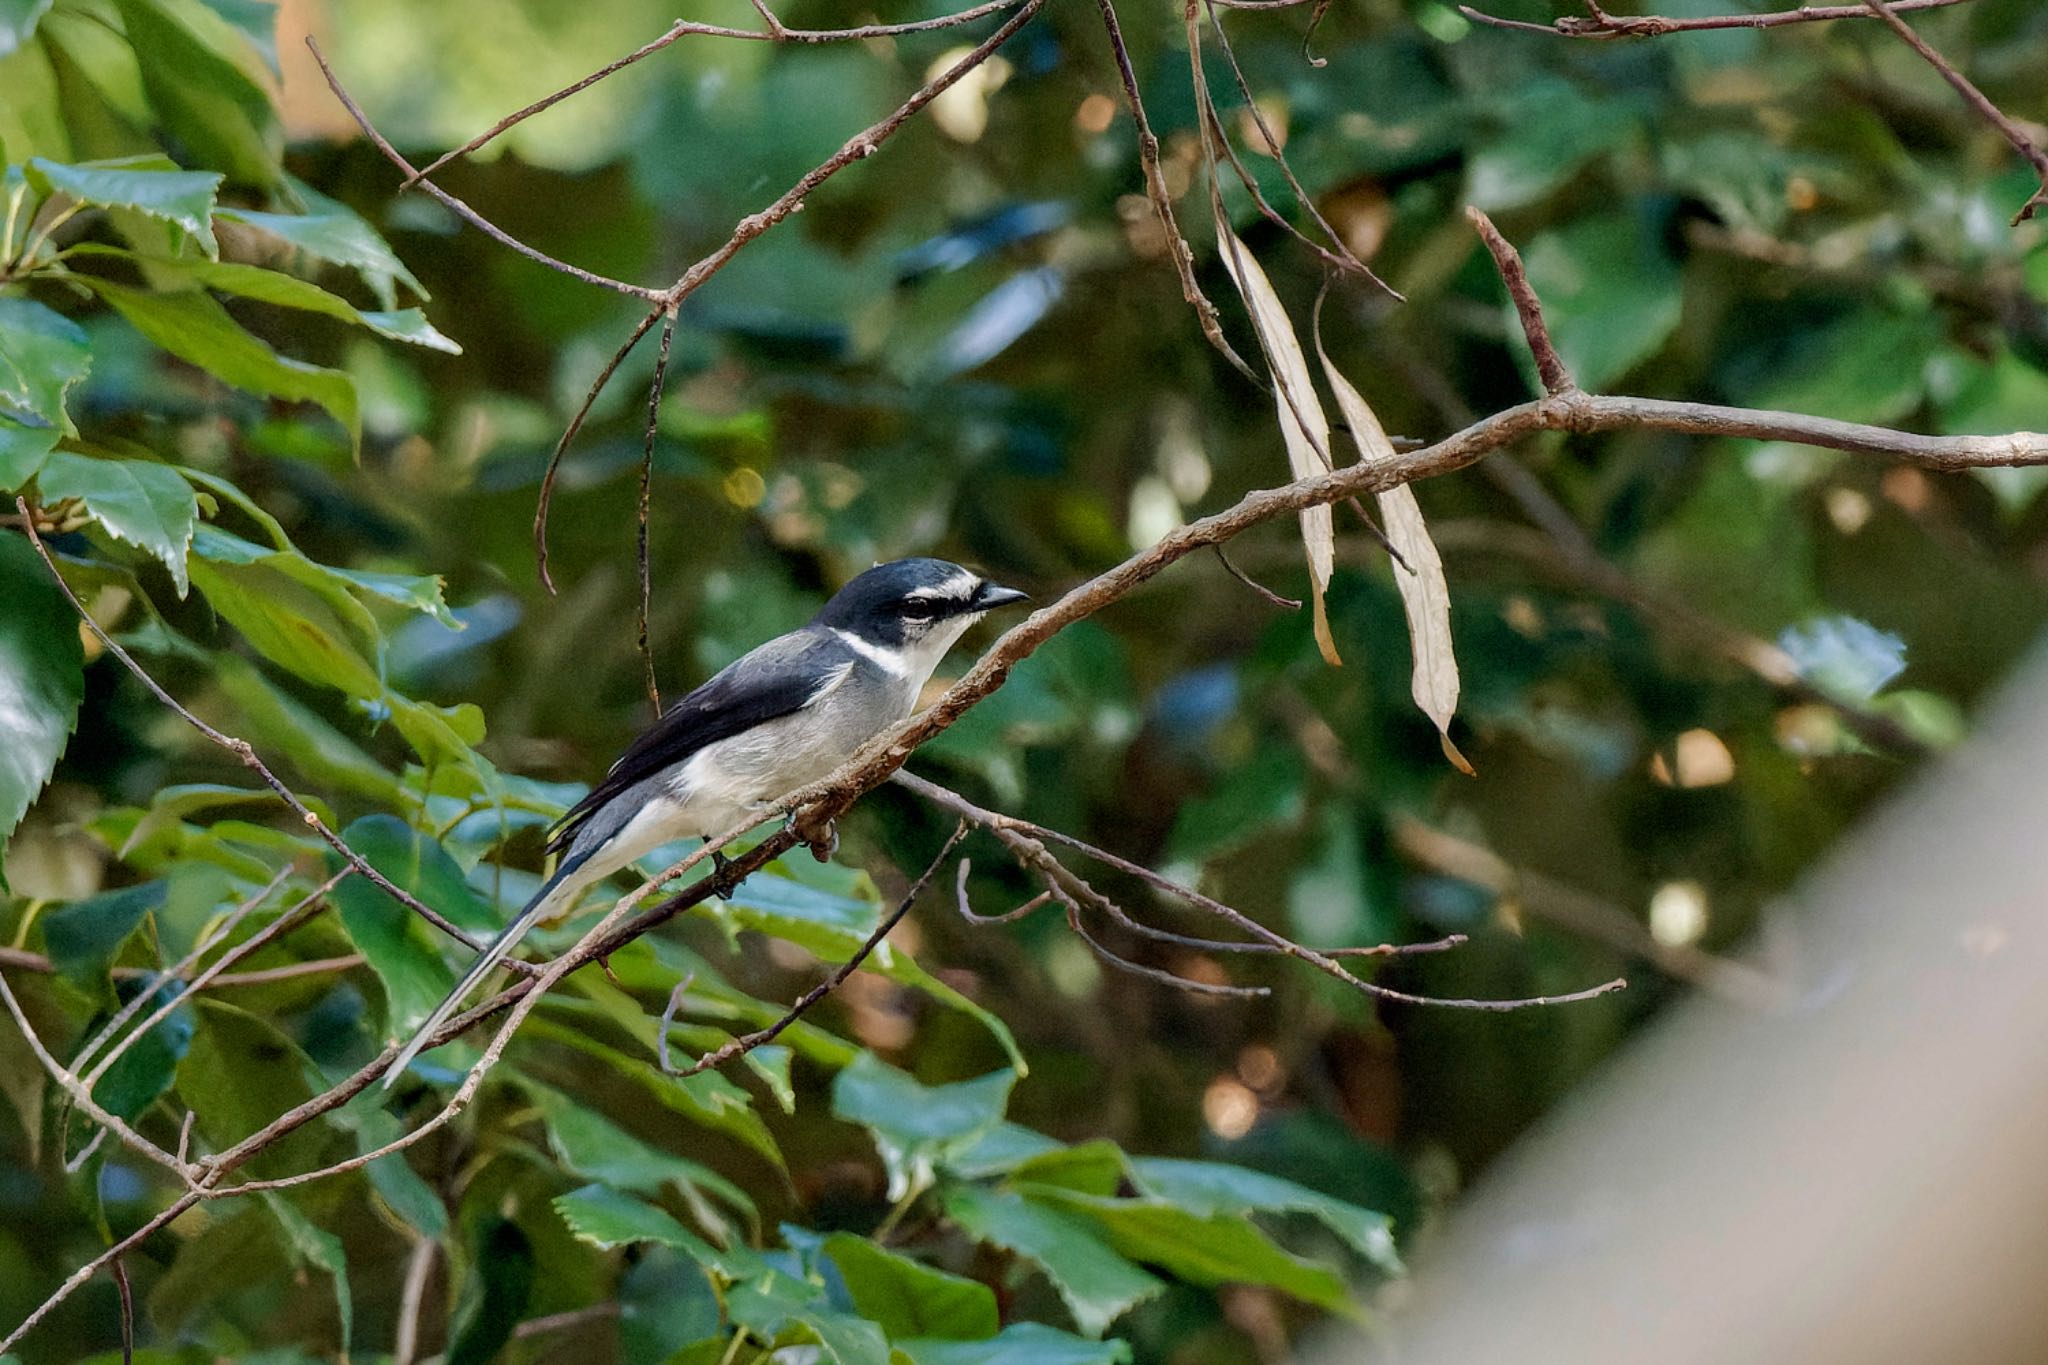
{"x": 1689, "y": 666}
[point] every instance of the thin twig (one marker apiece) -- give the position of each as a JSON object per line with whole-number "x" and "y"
{"x": 1550, "y": 365}
{"x": 1975, "y": 98}
{"x": 460, "y": 209}
{"x": 84, "y": 1273}
{"x": 242, "y": 750}
{"x": 668, "y": 335}
{"x": 777, "y": 32}
{"x": 543, "y": 503}
{"x": 127, "y": 1293}
{"x": 1285, "y": 603}
{"x": 1604, "y": 25}
{"x": 739, "y": 1047}
{"x": 419, "y": 1267}
{"x": 1008, "y": 916}
{"x": 1162, "y": 200}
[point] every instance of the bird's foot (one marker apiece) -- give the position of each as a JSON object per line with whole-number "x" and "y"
{"x": 822, "y": 837}
{"x": 723, "y": 883}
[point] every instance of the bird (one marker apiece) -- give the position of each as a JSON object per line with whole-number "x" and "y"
{"x": 778, "y": 718}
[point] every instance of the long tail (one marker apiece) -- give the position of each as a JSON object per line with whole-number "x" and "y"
{"x": 565, "y": 882}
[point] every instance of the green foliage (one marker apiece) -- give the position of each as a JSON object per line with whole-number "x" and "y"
{"x": 218, "y": 372}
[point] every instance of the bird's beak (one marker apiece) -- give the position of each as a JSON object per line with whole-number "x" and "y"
{"x": 989, "y": 596}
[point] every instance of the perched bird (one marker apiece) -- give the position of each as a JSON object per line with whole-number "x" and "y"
{"x": 780, "y": 717}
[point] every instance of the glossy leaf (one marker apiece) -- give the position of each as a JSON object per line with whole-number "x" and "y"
{"x": 148, "y": 505}
{"x": 1021, "y": 1343}
{"x": 607, "y": 1218}
{"x": 332, "y": 232}
{"x": 195, "y": 328}
{"x": 907, "y": 1298}
{"x": 150, "y": 185}
{"x": 403, "y": 949}
{"x": 82, "y": 938}
{"x": 42, "y": 677}
{"x": 916, "y": 1126}
{"x": 42, "y": 354}
{"x": 201, "y": 96}
{"x": 1098, "y": 1285}
{"x": 599, "y": 1150}
{"x": 1213, "y": 1187}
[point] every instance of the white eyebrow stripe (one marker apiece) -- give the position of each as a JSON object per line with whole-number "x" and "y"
{"x": 888, "y": 660}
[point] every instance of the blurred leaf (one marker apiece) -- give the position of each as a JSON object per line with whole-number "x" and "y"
{"x": 147, "y": 505}
{"x": 330, "y": 231}
{"x": 403, "y": 949}
{"x": 290, "y": 625}
{"x": 312, "y": 1245}
{"x": 150, "y": 1066}
{"x": 203, "y": 99}
{"x": 278, "y": 722}
{"x": 1098, "y": 1167}
{"x": 1844, "y": 657}
{"x": 1212, "y": 1187}
{"x": 1202, "y": 1249}
{"x": 150, "y": 185}
{"x": 18, "y": 20}
{"x": 1097, "y": 1284}
{"x": 665, "y": 1302}
{"x": 82, "y": 938}
{"x": 500, "y": 1284}
{"x": 195, "y": 328}
{"x": 255, "y": 20}
{"x": 42, "y": 675}
{"x": 1870, "y": 366}
{"x": 915, "y": 1127}
{"x": 1266, "y": 792}
{"x": 1021, "y": 1343}
{"x": 42, "y": 354}
{"x": 1550, "y": 130}
{"x": 598, "y": 1150}
{"x": 908, "y": 1299}
{"x": 1610, "y": 294}
{"x": 238, "y": 1076}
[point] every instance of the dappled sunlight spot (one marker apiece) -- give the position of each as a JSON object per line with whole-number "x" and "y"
{"x": 1848, "y": 510}
{"x": 1095, "y": 114}
{"x": 1907, "y": 489}
{"x": 1273, "y": 113}
{"x": 1154, "y": 513}
{"x": 744, "y": 487}
{"x": 961, "y": 110}
{"x": 1259, "y": 1067}
{"x": 1229, "y": 1108}
{"x": 1678, "y": 914}
{"x": 1698, "y": 759}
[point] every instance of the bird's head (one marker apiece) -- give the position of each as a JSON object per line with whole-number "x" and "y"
{"x": 917, "y": 607}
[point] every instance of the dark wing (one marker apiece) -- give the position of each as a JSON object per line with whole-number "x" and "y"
{"x": 771, "y": 680}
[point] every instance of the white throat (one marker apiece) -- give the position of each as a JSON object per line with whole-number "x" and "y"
{"x": 912, "y": 663}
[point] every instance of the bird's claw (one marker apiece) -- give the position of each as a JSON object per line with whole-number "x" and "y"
{"x": 722, "y": 884}
{"x": 823, "y": 843}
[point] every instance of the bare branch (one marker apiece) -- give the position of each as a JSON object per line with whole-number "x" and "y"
{"x": 1006, "y": 917}
{"x": 1508, "y": 261}
{"x": 1605, "y": 25}
{"x": 546, "y": 500}
{"x": 654, "y": 387}
{"x": 242, "y": 750}
{"x": 1975, "y": 98}
{"x": 1274, "y": 598}
{"x": 776, "y": 32}
{"x": 84, "y": 1273}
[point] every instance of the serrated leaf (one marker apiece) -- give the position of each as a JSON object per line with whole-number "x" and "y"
{"x": 42, "y": 677}
{"x": 150, "y": 506}
{"x": 907, "y": 1298}
{"x": 1213, "y": 1187}
{"x": 1303, "y": 426}
{"x": 195, "y": 328}
{"x": 150, "y": 185}
{"x": 915, "y": 1126}
{"x": 666, "y": 1302}
{"x": 599, "y": 1150}
{"x": 42, "y": 354}
{"x": 1021, "y": 1343}
{"x": 1098, "y": 1285}
{"x": 212, "y": 106}
{"x": 1418, "y": 573}
{"x": 608, "y": 1219}
{"x": 330, "y": 231}
{"x": 1202, "y": 1249}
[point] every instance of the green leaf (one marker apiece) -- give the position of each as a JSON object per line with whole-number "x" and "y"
{"x": 194, "y": 327}
{"x": 1610, "y": 294}
{"x": 607, "y": 1219}
{"x": 202, "y": 97}
{"x": 1022, "y": 1343}
{"x": 276, "y": 721}
{"x": 915, "y": 1127}
{"x": 1213, "y": 1187}
{"x": 1871, "y": 366}
{"x": 239, "y": 1075}
{"x": 286, "y": 291}
{"x": 908, "y": 1299}
{"x": 500, "y": 1286}
{"x": 1268, "y": 792}
{"x": 82, "y": 938}
{"x": 597, "y": 1149}
{"x": 148, "y": 505}
{"x": 256, "y": 21}
{"x": 42, "y": 676}
{"x": 666, "y": 1302}
{"x": 1207, "y": 1250}
{"x": 330, "y": 231}
{"x": 149, "y": 1067}
{"x": 18, "y": 19}
{"x": 150, "y": 185}
{"x": 289, "y": 624}
{"x": 403, "y": 949}
{"x": 1551, "y": 129}
{"x": 312, "y": 1245}
{"x": 1097, "y": 1167}
{"x": 775, "y": 1306}
{"x": 42, "y": 354}
{"x": 1097, "y": 1284}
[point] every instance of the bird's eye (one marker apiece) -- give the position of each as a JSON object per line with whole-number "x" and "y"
{"x": 920, "y": 609}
